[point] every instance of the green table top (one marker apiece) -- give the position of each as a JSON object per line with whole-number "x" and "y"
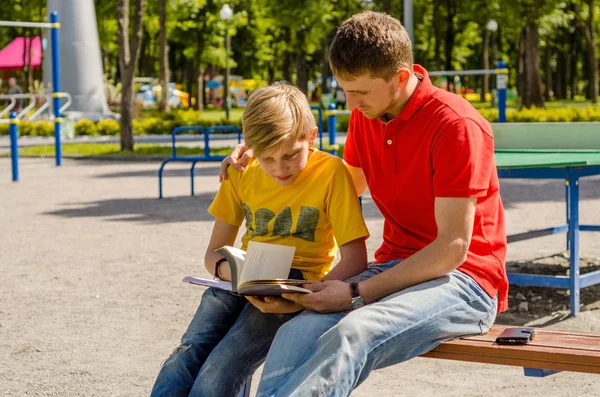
{"x": 546, "y": 158}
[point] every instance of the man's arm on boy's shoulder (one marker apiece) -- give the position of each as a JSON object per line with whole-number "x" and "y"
{"x": 359, "y": 179}
{"x": 238, "y": 159}
{"x": 454, "y": 218}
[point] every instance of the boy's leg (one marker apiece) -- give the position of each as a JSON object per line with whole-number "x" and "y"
{"x": 395, "y": 329}
{"x": 239, "y": 354}
{"x": 216, "y": 314}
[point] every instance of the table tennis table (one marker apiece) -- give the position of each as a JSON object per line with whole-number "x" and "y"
{"x": 569, "y": 165}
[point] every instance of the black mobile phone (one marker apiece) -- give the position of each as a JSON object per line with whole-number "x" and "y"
{"x": 516, "y": 336}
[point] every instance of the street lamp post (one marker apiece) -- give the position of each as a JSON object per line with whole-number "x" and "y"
{"x": 491, "y": 27}
{"x": 226, "y": 14}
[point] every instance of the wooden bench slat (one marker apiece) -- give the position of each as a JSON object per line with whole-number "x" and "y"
{"x": 554, "y": 350}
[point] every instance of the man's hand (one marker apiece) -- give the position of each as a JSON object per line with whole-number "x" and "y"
{"x": 274, "y": 304}
{"x": 238, "y": 158}
{"x": 327, "y": 297}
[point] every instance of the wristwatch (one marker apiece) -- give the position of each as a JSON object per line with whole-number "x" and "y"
{"x": 357, "y": 301}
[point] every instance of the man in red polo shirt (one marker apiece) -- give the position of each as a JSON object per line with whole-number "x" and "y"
{"x": 427, "y": 158}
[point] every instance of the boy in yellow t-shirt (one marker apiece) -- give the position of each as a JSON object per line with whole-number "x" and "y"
{"x": 290, "y": 194}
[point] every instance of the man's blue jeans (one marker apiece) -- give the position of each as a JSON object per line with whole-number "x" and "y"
{"x": 227, "y": 340}
{"x": 331, "y": 354}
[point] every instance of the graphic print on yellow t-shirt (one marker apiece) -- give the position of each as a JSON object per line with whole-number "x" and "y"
{"x": 322, "y": 201}
{"x": 306, "y": 226}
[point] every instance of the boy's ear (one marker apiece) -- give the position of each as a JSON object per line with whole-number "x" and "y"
{"x": 313, "y": 136}
{"x": 404, "y": 74}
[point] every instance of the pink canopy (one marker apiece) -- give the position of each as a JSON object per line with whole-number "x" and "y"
{"x": 16, "y": 54}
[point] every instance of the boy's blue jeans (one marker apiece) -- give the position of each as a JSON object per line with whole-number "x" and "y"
{"x": 226, "y": 341}
{"x": 331, "y": 354}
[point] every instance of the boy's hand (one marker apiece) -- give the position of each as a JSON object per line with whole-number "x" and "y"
{"x": 238, "y": 158}
{"x": 274, "y": 304}
{"x": 327, "y": 297}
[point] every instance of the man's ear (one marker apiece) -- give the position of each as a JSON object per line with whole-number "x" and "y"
{"x": 312, "y": 137}
{"x": 404, "y": 74}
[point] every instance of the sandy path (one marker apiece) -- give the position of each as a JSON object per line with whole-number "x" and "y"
{"x": 91, "y": 300}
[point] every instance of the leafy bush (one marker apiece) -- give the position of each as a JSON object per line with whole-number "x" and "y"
{"x": 86, "y": 127}
{"x": 108, "y": 127}
{"x": 163, "y": 123}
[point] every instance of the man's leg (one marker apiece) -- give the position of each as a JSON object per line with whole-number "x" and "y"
{"x": 216, "y": 314}
{"x": 298, "y": 338}
{"x": 395, "y": 329}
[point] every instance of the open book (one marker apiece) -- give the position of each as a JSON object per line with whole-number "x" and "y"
{"x": 261, "y": 271}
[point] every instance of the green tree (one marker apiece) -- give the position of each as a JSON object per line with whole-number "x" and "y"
{"x": 129, "y": 54}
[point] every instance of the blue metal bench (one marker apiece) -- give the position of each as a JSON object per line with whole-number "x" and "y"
{"x": 194, "y": 159}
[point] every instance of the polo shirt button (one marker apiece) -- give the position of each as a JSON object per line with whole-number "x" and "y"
{"x": 389, "y": 141}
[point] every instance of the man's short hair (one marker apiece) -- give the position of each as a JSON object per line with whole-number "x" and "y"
{"x": 370, "y": 43}
{"x": 275, "y": 113}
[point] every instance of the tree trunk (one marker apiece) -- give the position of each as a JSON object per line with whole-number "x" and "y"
{"x": 287, "y": 57}
{"x": 301, "y": 64}
{"x": 127, "y": 116}
{"x": 520, "y": 63}
{"x": 590, "y": 42}
{"x": 437, "y": 33}
{"x": 129, "y": 54}
{"x": 201, "y": 88}
{"x": 163, "y": 104}
{"x": 560, "y": 75}
{"x": 325, "y": 71}
{"x": 449, "y": 41}
{"x": 548, "y": 71}
{"x": 386, "y": 6}
{"x": 532, "y": 86}
{"x": 485, "y": 64}
{"x": 573, "y": 60}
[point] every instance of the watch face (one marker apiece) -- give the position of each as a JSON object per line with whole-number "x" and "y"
{"x": 357, "y": 302}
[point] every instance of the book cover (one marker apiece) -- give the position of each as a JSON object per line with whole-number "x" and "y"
{"x": 260, "y": 271}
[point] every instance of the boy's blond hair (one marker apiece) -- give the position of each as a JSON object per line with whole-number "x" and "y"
{"x": 370, "y": 43}
{"x": 275, "y": 113}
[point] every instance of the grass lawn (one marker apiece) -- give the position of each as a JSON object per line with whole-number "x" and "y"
{"x": 218, "y": 115}
{"x": 112, "y": 149}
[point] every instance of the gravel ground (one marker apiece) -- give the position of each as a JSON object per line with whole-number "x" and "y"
{"x": 91, "y": 299}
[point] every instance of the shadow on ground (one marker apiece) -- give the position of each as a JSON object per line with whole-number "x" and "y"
{"x": 514, "y": 191}
{"x": 145, "y": 210}
{"x": 547, "y": 306}
{"x": 178, "y": 171}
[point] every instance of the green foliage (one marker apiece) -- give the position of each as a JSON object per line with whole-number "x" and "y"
{"x": 108, "y": 127}
{"x": 113, "y": 149}
{"x": 534, "y": 115}
{"x": 86, "y": 127}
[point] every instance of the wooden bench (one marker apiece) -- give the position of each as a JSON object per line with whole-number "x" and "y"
{"x": 549, "y": 352}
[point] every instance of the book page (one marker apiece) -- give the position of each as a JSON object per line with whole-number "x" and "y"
{"x": 226, "y": 285}
{"x": 235, "y": 257}
{"x": 266, "y": 261}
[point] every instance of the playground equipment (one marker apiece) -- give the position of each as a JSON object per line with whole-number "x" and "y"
{"x": 79, "y": 51}
{"x": 194, "y": 159}
{"x": 14, "y": 149}
{"x": 56, "y": 94}
{"x": 501, "y": 73}
{"x": 34, "y": 99}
